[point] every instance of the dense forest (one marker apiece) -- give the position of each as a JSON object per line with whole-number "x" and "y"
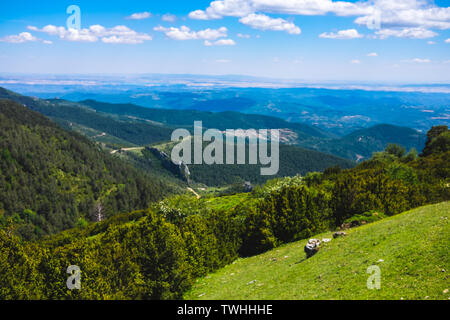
{"x": 52, "y": 179}
{"x": 293, "y": 161}
{"x": 158, "y": 253}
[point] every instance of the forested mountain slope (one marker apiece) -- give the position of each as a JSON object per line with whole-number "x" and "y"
{"x": 360, "y": 145}
{"x": 217, "y": 120}
{"x": 52, "y": 179}
{"x": 69, "y": 113}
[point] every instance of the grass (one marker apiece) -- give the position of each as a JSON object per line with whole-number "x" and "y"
{"x": 225, "y": 202}
{"x": 411, "y": 250}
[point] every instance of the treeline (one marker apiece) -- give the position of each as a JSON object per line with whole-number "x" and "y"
{"x": 158, "y": 253}
{"x": 51, "y": 179}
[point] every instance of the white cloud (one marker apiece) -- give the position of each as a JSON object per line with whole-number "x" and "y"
{"x": 139, "y": 16}
{"x": 221, "y": 42}
{"x": 431, "y": 42}
{"x": 372, "y": 54}
{"x": 413, "y": 33}
{"x": 447, "y": 41}
{"x": 241, "y": 8}
{"x": 137, "y": 39}
{"x": 391, "y": 14}
{"x": 263, "y": 22}
{"x": 117, "y": 34}
{"x": 342, "y": 35}
{"x": 223, "y": 61}
{"x": 219, "y": 9}
{"x": 19, "y": 38}
{"x": 409, "y": 14}
{"x": 169, "y": 17}
{"x": 356, "y": 61}
{"x": 185, "y": 33}
{"x": 418, "y": 60}
{"x": 244, "y": 36}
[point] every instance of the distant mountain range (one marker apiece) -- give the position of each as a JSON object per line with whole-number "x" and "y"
{"x": 125, "y": 125}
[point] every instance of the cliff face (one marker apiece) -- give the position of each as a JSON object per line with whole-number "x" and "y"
{"x": 178, "y": 168}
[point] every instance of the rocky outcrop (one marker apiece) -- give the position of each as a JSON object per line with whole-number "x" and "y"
{"x": 339, "y": 234}
{"x": 312, "y": 247}
{"x": 178, "y": 168}
{"x": 248, "y": 186}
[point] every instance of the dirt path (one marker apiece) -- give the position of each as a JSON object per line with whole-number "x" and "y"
{"x": 127, "y": 149}
{"x": 193, "y": 191}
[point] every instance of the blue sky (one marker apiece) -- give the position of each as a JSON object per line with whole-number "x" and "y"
{"x": 405, "y": 40}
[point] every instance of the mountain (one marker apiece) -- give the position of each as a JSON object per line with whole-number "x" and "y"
{"x": 397, "y": 245}
{"x": 217, "y": 120}
{"x": 355, "y": 146}
{"x": 71, "y": 115}
{"x": 361, "y": 144}
{"x": 293, "y": 161}
{"x": 128, "y": 125}
{"x": 52, "y": 179}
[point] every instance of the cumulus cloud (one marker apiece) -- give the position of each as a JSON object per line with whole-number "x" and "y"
{"x": 413, "y": 33}
{"x": 389, "y": 14}
{"x": 221, "y": 42}
{"x": 342, "y": 35}
{"x": 409, "y": 13}
{"x": 117, "y": 34}
{"x": 447, "y": 41}
{"x": 372, "y": 54}
{"x": 20, "y": 38}
{"x": 185, "y": 33}
{"x": 263, "y": 22}
{"x": 169, "y": 17}
{"x": 241, "y": 8}
{"x": 355, "y": 61}
{"x": 139, "y": 16}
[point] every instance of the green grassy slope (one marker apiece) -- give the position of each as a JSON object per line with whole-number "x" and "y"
{"x": 411, "y": 250}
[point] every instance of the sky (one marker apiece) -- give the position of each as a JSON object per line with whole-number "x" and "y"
{"x": 377, "y": 40}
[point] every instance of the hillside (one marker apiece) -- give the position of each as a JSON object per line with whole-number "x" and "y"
{"x": 357, "y": 145}
{"x": 361, "y": 144}
{"x": 159, "y": 252}
{"x": 73, "y": 116}
{"x": 293, "y": 161}
{"x": 127, "y": 125}
{"x": 52, "y": 179}
{"x": 217, "y": 120}
{"x": 411, "y": 249}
